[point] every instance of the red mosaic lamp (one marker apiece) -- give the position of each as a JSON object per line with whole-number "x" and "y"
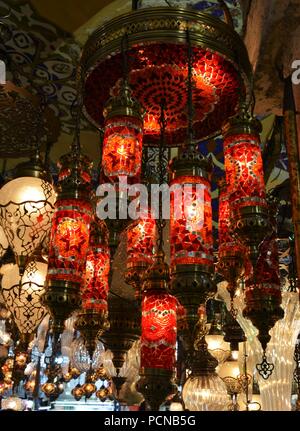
{"x": 69, "y": 240}
{"x": 159, "y": 334}
{"x": 191, "y": 240}
{"x": 123, "y": 132}
{"x": 92, "y": 321}
{"x": 245, "y": 180}
{"x": 141, "y": 236}
{"x": 254, "y": 223}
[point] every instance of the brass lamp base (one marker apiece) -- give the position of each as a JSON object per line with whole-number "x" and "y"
{"x": 155, "y": 385}
{"x": 192, "y": 285}
{"x": 61, "y": 298}
{"x": 91, "y": 323}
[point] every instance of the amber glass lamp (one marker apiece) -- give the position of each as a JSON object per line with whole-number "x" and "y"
{"x": 69, "y": 240}
{"x": 123, "y": 135}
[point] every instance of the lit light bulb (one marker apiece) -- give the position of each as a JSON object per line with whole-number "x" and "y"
{"x": 235, "y": 355}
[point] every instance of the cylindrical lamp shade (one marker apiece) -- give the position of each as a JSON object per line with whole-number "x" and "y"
{"x": 96, "y": 285}
{"x": 23, "y": 295}
{"x": 141, "y": 241}
{"x": 158, "y": 341}
{"x": 205, "y": 393}
{"x": 122, "y": 146}
{"x": 244, "y": 170}
{"x": 69, "y": 240}
{"x": 191, "y": 238}
{"x": 26, "y": 208}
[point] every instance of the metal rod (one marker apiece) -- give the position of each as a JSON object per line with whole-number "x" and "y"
{"x": 124, "y": 49}
{"x": 160, "y": 223}
{"x": 190, "y": 107}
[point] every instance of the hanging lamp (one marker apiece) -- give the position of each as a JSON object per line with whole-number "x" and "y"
{"x": 92, "y": 320}
{"x": 204, "y": 390}
{"x": 23, "y": 296}
{"x": 159, "y": 316}
{"x": 191, "y": 241}
{"x": 70, "y": 232}
{"x": 123, "y": 130}
{"x": 140, "y": 246}
{"x": 263, "y": 290}
{"x": 27, "y": 204}
{"x": 231, "y": 253}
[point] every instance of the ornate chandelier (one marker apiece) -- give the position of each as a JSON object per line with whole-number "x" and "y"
{"x": 164, "y": 80}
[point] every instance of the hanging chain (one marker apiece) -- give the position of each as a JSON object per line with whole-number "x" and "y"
{"x": 78, "y": 103}
{"x": 190, "y": 107}
{"x": 42, "y": 104}
{"x": 160, "y": 223}
{"x": 124, "y": 49}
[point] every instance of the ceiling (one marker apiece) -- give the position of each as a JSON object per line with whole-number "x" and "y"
{"x": 69, "y": 15}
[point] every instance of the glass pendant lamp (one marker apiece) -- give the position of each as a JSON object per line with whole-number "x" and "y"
{"x": 26, "y": 208}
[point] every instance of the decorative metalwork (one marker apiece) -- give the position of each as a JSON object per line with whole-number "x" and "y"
{"x": 125, "y": 328}
{"x": 26, "y": 218}
{"x": 69, "y": 238}
{"x": 22, "y": 295}
{"x": 158, "y": 69}
{"x": 19, "y": 117}
{"x": 265, "y": 368}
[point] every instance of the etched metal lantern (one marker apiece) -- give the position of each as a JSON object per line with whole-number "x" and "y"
{"x": 69, "y": 238}
{"x": 191, "y": 238}
{"x": 141, "y": 236}
{"x": 123, "y": 135}
{"x": 92, "y": 320}
{"x": 26, "y": 208}
{"x": 23, "y": 295}
{"x": 231, "y": 253}
{"x": 159, "y": 333}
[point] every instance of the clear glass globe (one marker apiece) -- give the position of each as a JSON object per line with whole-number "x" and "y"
{"x": 205, "y": 393}
{"x": 80, "y": 357}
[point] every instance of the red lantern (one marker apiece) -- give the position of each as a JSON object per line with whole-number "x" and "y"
{"x": 69, "y": 238}
{"x": 243, "y": 164}
{"x": 141, "y": 241}
{"x": 141, "y": 236}
{"x": 191, "y": 238}
{"x": 123, "y": 134}
{"x": 158, "y": 342}
{"x": 231, "y": 253}
{"x": 96, "y": 284}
